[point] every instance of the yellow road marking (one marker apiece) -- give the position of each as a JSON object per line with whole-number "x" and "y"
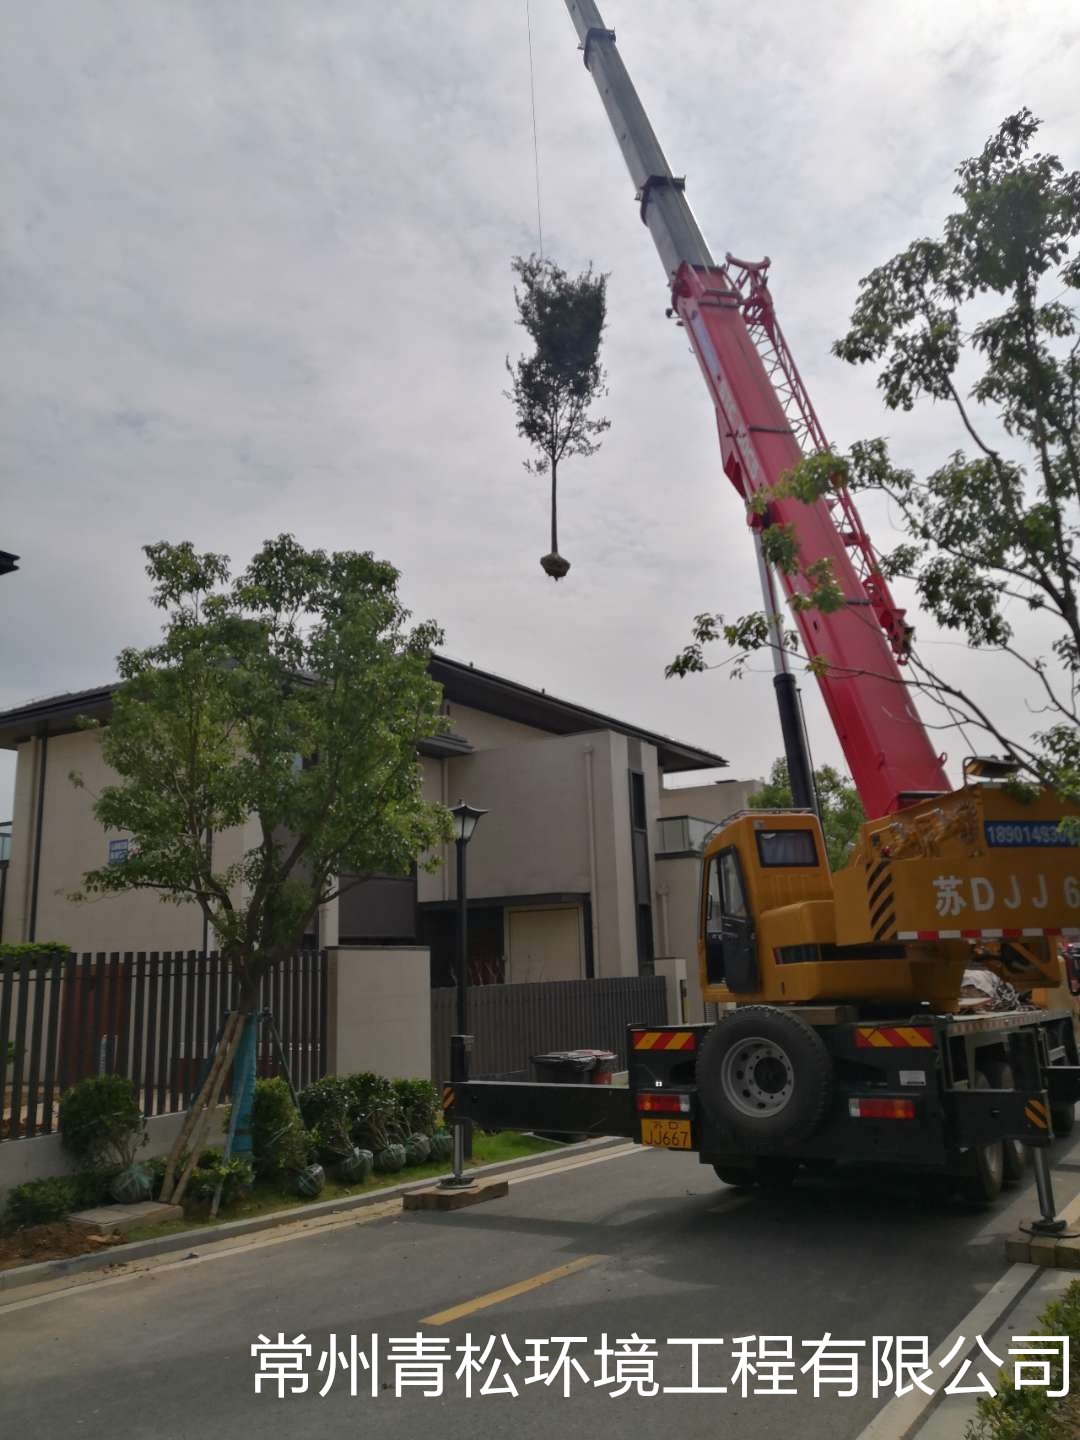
{"x": 510, "y": 1292}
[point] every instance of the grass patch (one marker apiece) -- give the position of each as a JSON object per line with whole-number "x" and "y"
{"x": 267, "y": 1198}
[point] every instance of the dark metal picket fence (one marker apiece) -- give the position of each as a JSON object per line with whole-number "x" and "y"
{"x": 153, "y": 1017}
{"x": 511, "y": 1023}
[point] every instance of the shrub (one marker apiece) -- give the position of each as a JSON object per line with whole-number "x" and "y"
{"x": 1029, "y": 1414}
{"x": 375, "y": 1111}
{"x": 34, "y": 950}
{"x": 280, "y": 1143}
{"x": 37, "y": 1202}
{"x": 325, "y": 1108}
{"x": 101, "y": 1122}
{"x": 235, "y": 1176}
{"x": 419, "y": 1104}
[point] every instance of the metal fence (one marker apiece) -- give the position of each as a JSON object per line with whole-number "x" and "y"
{"x": 511, "y": 1023}
{"x": 153, "y": 1017}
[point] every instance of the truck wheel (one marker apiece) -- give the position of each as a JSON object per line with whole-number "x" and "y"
{"x": 738, "y": 1177}
{"x": 1063, "y": 1117}
{"x": 986, "y": 1174}
{"x": 764, "y": 1074}
{"x": 771, "y": 1172}
{"x": 1014, "y": 1152}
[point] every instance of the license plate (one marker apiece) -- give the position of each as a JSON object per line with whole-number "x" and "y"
{"x": 672, "y": 1134}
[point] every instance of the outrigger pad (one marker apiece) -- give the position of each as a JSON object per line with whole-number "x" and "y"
{"x": 438, "y": 1197}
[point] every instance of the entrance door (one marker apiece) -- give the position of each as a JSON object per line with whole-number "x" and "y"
{"x": 546, "y": 944}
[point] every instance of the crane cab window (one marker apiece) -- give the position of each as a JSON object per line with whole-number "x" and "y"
{"x": 731, "y": 886}
{"x": 786, "y": 847}
{"x": 724, "y": 895}
{"x": 714, "y": 909}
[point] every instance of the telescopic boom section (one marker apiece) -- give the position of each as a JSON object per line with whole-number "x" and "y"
{"x": 766, "y": 422}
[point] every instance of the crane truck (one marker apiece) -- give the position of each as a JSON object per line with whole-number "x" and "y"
{"x": 840, "y": 1034}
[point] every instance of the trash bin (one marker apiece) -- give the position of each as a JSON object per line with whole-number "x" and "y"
{"x": 604, "y": 1062}
{"x": 564, "y": 1067}
{"x": 572, "y": 1067}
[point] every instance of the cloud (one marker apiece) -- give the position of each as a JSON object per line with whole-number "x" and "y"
{"x": 256, "y": 277}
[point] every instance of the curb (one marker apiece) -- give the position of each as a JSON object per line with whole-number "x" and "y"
{"x": 42, "y": 1270}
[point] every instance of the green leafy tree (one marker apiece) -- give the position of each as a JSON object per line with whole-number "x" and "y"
{"x": 841, "y": 809}
{"x": 266, "y": 754}
{"x": 553, "y": 388}
{"x": 981, "y": 318}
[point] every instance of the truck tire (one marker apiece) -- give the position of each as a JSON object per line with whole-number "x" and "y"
{"x": 771, "y": 1172}
{"x": 764, "y": 1076}
{"x": 1014, "y": 1152}
{"x": 986, "y": 1163}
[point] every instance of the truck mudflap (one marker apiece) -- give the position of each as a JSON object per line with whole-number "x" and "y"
{"x": 523, "y": 1105}
{"x": 979, "y": 1117}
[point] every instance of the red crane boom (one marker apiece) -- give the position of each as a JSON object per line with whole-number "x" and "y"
{"x": 766, "y": 423}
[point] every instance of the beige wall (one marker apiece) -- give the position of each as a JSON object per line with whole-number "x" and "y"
{"x": 709, "y": 802}
{"x": 490, "y": 732}
{"x": 379, "y": 1010}
{"x": 674, "y": 972}
{"x": 73, "y": 842}
{"x": 678, "y": 884}
{"x": 558, "y": 823}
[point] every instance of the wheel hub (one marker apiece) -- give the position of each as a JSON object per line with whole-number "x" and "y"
{"x": 757, "y": 1077}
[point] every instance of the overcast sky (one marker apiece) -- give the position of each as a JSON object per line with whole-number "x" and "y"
{"x": 256, "y": 277}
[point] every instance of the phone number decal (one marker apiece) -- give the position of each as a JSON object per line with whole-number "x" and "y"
{"x": 1025, "y": 832}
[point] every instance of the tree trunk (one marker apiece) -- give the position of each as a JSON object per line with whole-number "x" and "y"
{"x": 554, "y": 512}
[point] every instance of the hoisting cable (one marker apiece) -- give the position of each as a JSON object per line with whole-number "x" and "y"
{"x": 536, "y": 147}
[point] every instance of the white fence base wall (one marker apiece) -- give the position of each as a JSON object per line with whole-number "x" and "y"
{"x": 378, "y": 1011}
{"x": 44, "y": 1156}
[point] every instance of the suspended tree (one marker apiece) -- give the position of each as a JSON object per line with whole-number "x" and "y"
{"x": 283, "y": 708}
{"x": 553, "y": 388}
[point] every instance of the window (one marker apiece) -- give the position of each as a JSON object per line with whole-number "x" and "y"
{"x": 637, "y": 800}
{"x": 713, "y": 908}
{"x": 786, "y": 847}
{"x": 118, "y": 851}
{"x": 731, "y": 885}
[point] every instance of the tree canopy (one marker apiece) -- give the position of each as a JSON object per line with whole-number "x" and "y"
{"x": 285, "y": 706}
{"x": 554, "y": 388}
{"x": 841, "y": 809}
{"x": 266, "y": 759}
{"x": 982, "y": 318}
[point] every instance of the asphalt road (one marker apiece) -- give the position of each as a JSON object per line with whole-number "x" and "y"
{"x": 647, "y": 1243}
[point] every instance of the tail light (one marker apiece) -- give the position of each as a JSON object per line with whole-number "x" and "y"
{"x": 870, "y": 1109}
{"x": 662, "y": 1102}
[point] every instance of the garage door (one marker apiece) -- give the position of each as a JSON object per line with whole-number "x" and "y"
{"x": 546, "y": 945}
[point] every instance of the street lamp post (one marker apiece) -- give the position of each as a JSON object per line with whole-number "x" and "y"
{"x": 465, "y": 821}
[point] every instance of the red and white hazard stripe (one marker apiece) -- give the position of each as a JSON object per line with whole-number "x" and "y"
{"x": 979, "y": 934}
